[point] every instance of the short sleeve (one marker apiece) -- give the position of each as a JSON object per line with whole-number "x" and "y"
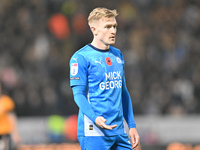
{"x": 78, "y": 70}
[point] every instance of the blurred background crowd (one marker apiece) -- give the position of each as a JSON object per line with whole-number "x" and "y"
{"x": 159, "y": 40}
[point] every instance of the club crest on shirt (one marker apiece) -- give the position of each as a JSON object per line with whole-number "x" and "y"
{"x": 74, "y": 69}
{"x": 118, "y": 60}
{"x": 108, "y": 61}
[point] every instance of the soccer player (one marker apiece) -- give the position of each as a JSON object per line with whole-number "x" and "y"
{"x": 98, "y": 84}
{"x": 8, "y": 123}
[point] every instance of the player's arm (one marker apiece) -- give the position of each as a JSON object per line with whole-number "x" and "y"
{"x": 128, "y": 115}
{"x": 79, "y": 92}
{"x": 126, "y": 102}
{"x": 15, "y": 133}
{"x": 127, "y": 106}
{"x": 82, "y": 102}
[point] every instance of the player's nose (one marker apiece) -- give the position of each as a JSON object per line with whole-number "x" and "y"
{"x": 113, "y": 30}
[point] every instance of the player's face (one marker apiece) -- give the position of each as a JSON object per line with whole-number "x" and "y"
{"x": 106, "y": 31}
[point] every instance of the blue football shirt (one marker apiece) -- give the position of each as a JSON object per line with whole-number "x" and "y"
{"x": 102, "y": 72}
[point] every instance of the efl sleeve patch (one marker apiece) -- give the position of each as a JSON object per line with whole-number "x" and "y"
{"x": 74, "y": 69}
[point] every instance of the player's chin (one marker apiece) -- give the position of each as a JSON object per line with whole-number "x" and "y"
{"x": 112, "y": 42}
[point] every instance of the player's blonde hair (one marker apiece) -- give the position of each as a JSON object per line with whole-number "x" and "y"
{"x": 101, "y": 12}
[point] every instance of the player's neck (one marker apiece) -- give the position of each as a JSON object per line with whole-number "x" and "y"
{"x": 100, "y": 45}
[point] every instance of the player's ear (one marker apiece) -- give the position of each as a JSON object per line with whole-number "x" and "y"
{"x": 94, "y": 30}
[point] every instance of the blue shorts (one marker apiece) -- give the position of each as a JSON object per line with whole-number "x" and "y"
{"x": 118, "y": 142}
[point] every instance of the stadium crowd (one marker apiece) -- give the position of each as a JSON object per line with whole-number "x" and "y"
{"x": 159, "y": 40}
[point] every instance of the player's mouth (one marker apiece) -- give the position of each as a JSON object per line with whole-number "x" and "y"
{"x": 112, "y": 37}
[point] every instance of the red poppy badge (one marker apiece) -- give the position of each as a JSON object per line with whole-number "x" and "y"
{"x": 108, "y": 61}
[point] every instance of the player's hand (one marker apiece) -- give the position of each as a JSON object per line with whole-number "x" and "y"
{"x": 100, "y": 121}
{"x": 134, "y": 138}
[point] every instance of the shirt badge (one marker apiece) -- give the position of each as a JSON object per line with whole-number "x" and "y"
{"x": 74, "y": 69}
{"x": 108, "y": 61}
{"x": 118, "y": 60}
